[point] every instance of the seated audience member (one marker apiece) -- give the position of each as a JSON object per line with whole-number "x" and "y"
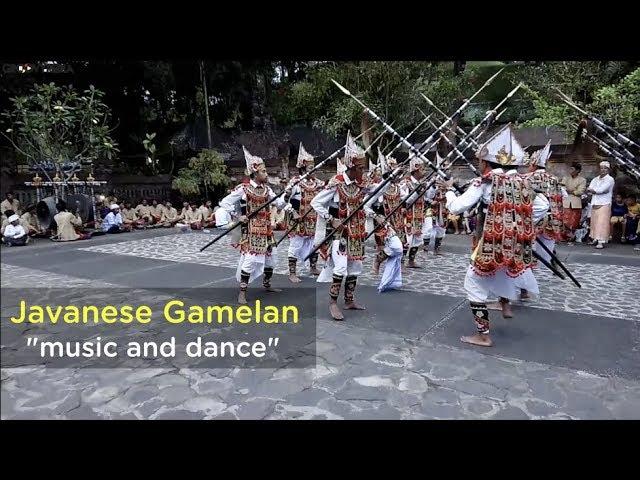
{"x": 208, "y": 220}
{"x": 67, "y": 225}
{"x": 145, "y": 217}
{"x": 5, "y": 222}
{"x": 10, "y": 203}
{"x": 631, "y": 219}
{"x": 193, "y": 217}
{"x": 156, "y": 212}
{"x": 113, "y": 222}
{"x": 129, "y": 216}
{"x": 619, "y": 212}
{"x": 29, "y": 220}
{"x": 14, "y": 234}
{"x": 169, "y": 216}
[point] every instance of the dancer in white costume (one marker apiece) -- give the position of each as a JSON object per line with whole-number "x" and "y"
{"x": 435, "y": 220}
{"x": 414, "y": 215}
{"x": 343, "y": 194}
{"x": 390, "y": 234}
{"x": 254, "y": 239}
{"x": 504, "y": 247}
{"x": 551, "y": 228}
{"x": 301, "y": 194}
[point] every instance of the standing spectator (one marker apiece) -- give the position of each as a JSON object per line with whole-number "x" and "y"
{"x": 575, "y": 185}
{"x": 630, "y": 224}
{"x": 601, "y": 189}
{"x": 10, "y": 203}
{"x": 14, "y": 233}
{"x": 618, "y": 214}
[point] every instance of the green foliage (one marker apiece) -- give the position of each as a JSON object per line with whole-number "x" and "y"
{"x": 53, "y": 123}
{"x": 606, "y": 89}
{"x": 620, "y": 103}
{"x": 205, "y": 172}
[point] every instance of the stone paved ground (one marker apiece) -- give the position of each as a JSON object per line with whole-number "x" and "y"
{"x": 574, "y": 354}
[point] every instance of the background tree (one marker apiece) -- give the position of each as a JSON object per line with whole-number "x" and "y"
{"x": 205, "y": 172}
{"x": 58, "y": 124}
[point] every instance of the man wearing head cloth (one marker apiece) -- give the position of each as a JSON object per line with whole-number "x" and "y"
{"x": 300, "y": 193}
{"x": 113, "y": 222}
{"x": 343, "y": 194}
{"x": 256, "y": 241}
{"x": 503, "y": 247}
{"x": 14, "y": 234}
{"x": 601, "y": 190}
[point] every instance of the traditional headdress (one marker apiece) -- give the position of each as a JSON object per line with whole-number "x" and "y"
{"x": 304, "y": 157}
{"x": 253, "y": 162}
{"x": 502, "y": 148}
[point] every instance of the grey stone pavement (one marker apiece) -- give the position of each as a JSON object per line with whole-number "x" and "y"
{"x": 572, "y": 354}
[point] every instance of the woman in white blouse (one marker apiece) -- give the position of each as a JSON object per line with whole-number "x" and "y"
{"x": 601, "y": 189}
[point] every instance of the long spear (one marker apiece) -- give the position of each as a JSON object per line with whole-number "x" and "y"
{"x": 630, "y": 167}
{"x": 489, "y": 119}
{"x": 458, "y": 131}
{"x": 566, "y": 99}
{"x": 266, "y": 204}
{"x": 429, "y": 140}
{"x": 465, "y": 143}
{"x": 300, "y": 219}
{"x": 373, "y": 194}
{"x": 399, "y": 144}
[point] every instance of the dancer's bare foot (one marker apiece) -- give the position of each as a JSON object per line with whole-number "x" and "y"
{"x": 272, "y": 289}
{"x": 477, "y": 339}
{"x": 294, "y": 279}
{"x": 335, "y": 312}
{"x": 506, "y": 310}
{"x": 242, "y": 298}
{"x": 314, "y": 271}
{"x": 413, "y": 264}
{"x": 437, "y": 252}
{"x": 353, "y": 306}
{"x": 524, "y": 295}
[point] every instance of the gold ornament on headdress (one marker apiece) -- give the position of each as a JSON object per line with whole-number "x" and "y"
{"x": 90, "y": 177}
{"x": 503, "y": 157}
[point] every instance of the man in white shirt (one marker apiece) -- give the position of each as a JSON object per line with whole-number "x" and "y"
{"x": 601, "y": 189}
{"x": 14, "y": 233}
{"x": 113, "y": 223}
